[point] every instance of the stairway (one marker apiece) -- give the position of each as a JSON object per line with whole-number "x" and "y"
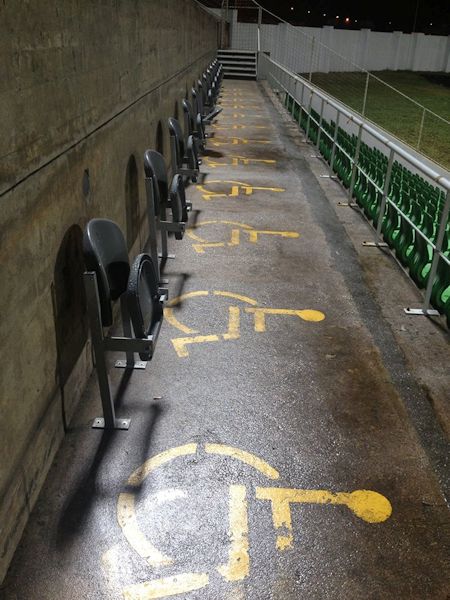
{"x": 238, "y": 64}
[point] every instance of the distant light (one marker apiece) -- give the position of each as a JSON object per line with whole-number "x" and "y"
{"x": 347, "y": 20}
{"x": 324, "y": 14}
{"x": 356, "y": 20}
{"x": 431, "y": 23}
{"x": 309, "y": 12}
{"x": 390, "y": 22}
{"x": 337, "y": 16}
{"x": 292, "y": 8}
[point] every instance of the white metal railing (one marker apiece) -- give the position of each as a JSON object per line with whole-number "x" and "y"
{"x": 307, "y": 95}
{"x": 303, "y": 50}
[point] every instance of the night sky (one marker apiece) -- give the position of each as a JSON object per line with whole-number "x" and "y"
{"x": 433, "y": 16}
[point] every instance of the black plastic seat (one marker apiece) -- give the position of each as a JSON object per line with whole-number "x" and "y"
{"x": 178, "y": 204}
{"x": 143, "y": 300}
{"x": 175, "y": 199}
{"x": 206, "y": 104}
{"x": 184, "y": 156}
{"x": 105, "y": 253}
{"x": 155, "y": 168}
{"x": 193, "y": 126}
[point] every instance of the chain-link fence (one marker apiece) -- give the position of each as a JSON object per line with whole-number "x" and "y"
{"x": 307, "y": 51}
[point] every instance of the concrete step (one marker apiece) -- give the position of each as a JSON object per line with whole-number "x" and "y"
{"x": 238, "y": 63}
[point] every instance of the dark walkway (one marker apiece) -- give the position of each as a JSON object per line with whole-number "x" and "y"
{"x": 271, "y": 454}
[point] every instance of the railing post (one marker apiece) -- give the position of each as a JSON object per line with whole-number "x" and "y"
{"x": 366, "y": 89}
{"x": 387, "y": 183}
{"x": 333, "y": 151}
{"x": 259, "y": 29}
{"x": 312, "y": 58}
{"x": 355, "y": 164}
{"x": 421, "y": 128}
{"x": 320, "y": 123}
{"x": 309, "y": 113}
{"x": 436, "y": 252}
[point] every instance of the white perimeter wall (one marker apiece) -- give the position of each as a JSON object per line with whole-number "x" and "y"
{"x": 371, "y": 50}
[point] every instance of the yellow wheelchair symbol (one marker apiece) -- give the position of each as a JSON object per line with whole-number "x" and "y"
{"x": 237, "y": 188}
{"x": 235, "y": 141}
{"x": 237, "y": 161}
{"x": 251, "y": 233}
{"x": 369, "y": 506}
{"x": 233, "y": 332}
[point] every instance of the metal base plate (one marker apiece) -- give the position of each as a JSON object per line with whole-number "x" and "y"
{"x": 99, "y": 423}
{"x": 122, "y": 364}
{"x": 431, "y": 312}
{"x": 376, "y": 244}
{"x": 168, "y": 256}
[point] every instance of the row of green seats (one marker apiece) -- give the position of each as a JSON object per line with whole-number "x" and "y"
{"x": 413, "y": 200}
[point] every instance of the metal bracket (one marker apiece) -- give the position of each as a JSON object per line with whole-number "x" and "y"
{"x": 431, "y": 312}
{"x": 350, "y": 204}
{"x": 375, "y": 244}
{"x": 99, "y": 423}
{"x": 122, "y": 364}
{"x": 173, "y": 227}
{"x": 328, "y": 177}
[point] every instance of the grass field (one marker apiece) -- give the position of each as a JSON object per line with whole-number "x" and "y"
{"x": 395, "y": 113}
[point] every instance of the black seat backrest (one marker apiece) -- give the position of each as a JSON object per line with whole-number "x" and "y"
{"x": 203, "y": 92}
{"x": 197, "y": 102}
{"x": 105, "y": 253}
{"x": 189, "y": 117}
{"x": 207, "y": 80}
{"x": 155, "y": 167}
{"x": 143, "y": 301}
{"x": 178, "y": 203}
{"x": 177, "y": 134}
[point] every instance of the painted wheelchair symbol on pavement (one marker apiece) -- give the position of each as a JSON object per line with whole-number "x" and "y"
{"x": 366, "y": 505}
{"x": 249, "y": 232}
{"x": 235, "y": 141}
{"x": 236, "y": 161}
{"x": 236, "y": 189}
{"x": 193, "y": 336}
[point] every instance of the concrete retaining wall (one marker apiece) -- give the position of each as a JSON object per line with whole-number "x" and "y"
{"x": 86, "y": 87}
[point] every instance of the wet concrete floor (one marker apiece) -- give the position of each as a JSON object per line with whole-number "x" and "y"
{"x": 271, "y": 454}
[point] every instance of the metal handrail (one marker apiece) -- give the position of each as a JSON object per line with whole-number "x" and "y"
{"x": 394, "y": 150}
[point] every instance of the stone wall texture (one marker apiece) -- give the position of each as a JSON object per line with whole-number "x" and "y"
{"x": 85, "y": 88}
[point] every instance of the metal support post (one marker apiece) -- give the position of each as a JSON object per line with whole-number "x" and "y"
{"x": 366, "y": 89}
{"x": 294, "y": 100}
{"x": 387, "y": 183}
{"x": 426, "y": 310}
{"x": 309, "y": 114}
{"x": 355, "y": 164}
{"x": 152, "y": 218}
{"x": 421, "y": 128}
{"x": 312, "y": 58}
{"x": 109, "y": 420}
{"x": 333, "y": 151}
{"x": 320, "y": 124}
{"x": 301, "y": 103}
{"x": 129, "y": 363}
{"x": 164, "y": 254}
